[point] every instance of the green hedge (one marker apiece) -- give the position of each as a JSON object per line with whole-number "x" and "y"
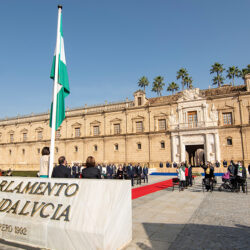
{"x": 24, "y": 173}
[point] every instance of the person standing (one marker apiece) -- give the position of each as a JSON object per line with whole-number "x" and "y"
{"x": 131, "y": 173}
{"x": 120, "y": 172}
{"x": 44, "y": 163}
{"x": 241, "y": 175}
{"x": 75, "y": 170}
{"x": 190, "y": 175}
{"x": 91, "y": 172}
{"x": 110, "y": 171}
{"x": 186, "y": 176}
{"x": 139, "y": 173}
{"x": 181, "y": 175}
{"x": 145, "y": 173}
{"x": 61, "y": 171}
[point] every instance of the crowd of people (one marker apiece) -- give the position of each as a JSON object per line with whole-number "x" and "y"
{"x": 185, "y": 175}
{"x": 91, "y": 170}
{"x": 236, "y": 172}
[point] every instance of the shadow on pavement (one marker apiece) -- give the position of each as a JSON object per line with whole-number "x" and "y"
{"x": 194, "y": 236}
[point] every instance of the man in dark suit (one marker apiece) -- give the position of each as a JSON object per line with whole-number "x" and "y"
{"x": 109, "y": 172}
{"x": 114, "y": 171}
{"x": 145, "y": 173}
{"x": 167, "y": 165}
{"x": 61, "y": 171}
{"x": 131, "y": 173}
{"x": 75, "y": 171}
{"x": 139, "y": 173}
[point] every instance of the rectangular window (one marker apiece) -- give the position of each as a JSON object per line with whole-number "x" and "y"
{"x": 77, "y": 132}
{"x": 139, "y": 101}
{"x": 139, "y": 127}
{"x": 162, "y": 124}
{"x": 24, "y": 136}
{"x": 58, "y": 134}
{"x": 227, "y": 118}
{"x": 11, "y": 137}
{"x": 192, "y": 119}
{"x": 96, "y": 130}
{"x": 39, "y": 135}
{"x": 139, "y": 146}
{"x": 162, "y": 144}
{"x": 116, "y": 129}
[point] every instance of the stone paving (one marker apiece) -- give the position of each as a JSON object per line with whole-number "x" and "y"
{"x": 191, "y": 220}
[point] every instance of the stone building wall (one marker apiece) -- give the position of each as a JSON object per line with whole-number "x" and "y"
{"x": 77, "y": 140}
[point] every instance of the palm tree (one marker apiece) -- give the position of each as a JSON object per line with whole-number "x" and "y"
{"x": 158, "y": 85}
{"x": 182, "y": 73}
{"x": 173, "y": 87}
{"x": 245, "y": 71}
{"x": 218, "y": 69}
{"x": 143, "y": 82}
{"x": 188, "y": 82}
{"x": 233, "y": 72}
{"x": 218, "y": 80}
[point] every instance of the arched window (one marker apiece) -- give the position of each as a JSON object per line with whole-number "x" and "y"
{"x": 116, "y": 147}
{"x": 139, "y": 145}
{"x": 95, "y": 148}
{"x": 76, "y": 149}
{"x": 56, "y": 149}
{"x": 23, "y": 150}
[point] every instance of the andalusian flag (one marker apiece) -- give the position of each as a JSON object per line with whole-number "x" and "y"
{"x": 63, "y": 82}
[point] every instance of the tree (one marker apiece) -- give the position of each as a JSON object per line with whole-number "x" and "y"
{"x": 233, "y": 72}
{"x": 158, "y": 85}
{"x": 218, "y": 80}
{"x": 173, "y": 87}
{"x": 245, "y": 71}
{"x": 143, "y": 82}
{"x": 182, "y": 73}
{"x": 218, "y": 69}
{"x": 188, "y": 82}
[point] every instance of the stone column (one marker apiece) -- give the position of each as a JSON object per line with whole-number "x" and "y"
{"x": 217, "y": 147}
{"x": 173, "y": 147}
{"x": 207, "y": 151}
{"x": 182, "y": 150}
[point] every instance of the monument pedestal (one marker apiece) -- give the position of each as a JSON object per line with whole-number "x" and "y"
{"x": 66, "y": 213}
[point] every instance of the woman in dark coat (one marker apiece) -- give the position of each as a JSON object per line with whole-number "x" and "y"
{"x": 91, "y": 172}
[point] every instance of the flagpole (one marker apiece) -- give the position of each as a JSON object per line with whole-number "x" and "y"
{"x": 53, "y": 130}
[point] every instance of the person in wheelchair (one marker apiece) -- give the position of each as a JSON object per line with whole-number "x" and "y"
{"x": 209, "y": 175}
{"x": 241, "y": 175}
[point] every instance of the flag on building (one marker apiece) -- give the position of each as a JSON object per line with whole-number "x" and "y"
{"x": 63, "y": 82}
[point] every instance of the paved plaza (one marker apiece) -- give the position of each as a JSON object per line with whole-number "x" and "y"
{"x": 186, "y": 220}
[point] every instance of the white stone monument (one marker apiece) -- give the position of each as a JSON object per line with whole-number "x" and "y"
{"x": 66, "y": 213}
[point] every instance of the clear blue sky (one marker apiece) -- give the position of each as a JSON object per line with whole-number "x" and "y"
{"x": 110, "y": 44}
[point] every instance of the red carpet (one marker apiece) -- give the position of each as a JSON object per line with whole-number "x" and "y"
{"x": 141, "y": 191}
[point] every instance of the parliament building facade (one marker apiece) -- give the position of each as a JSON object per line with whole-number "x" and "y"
{"x": 192, "y": 125}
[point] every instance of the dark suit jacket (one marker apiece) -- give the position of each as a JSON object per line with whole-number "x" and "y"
{"x": 91, "y": 173}
{"x": 61, "y": 171}
{"x": 130, "y": 171}
{"x": 145, "y": 171}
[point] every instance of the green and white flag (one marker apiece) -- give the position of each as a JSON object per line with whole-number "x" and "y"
{"x": 63, "y": 82}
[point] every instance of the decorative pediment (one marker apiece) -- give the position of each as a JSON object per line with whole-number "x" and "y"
{"x": 116, "y": 120}
{"x": 161, "y": 115}
{"x": 39, "y": 129}
{"x": 138, "y": 117}
{"x": 24, "y": 130}
{"x": 190, "y": 95}
{"x": 76, "y": 124}
{"x": 11, "y": 132}
{"x": 95, "y": 122}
